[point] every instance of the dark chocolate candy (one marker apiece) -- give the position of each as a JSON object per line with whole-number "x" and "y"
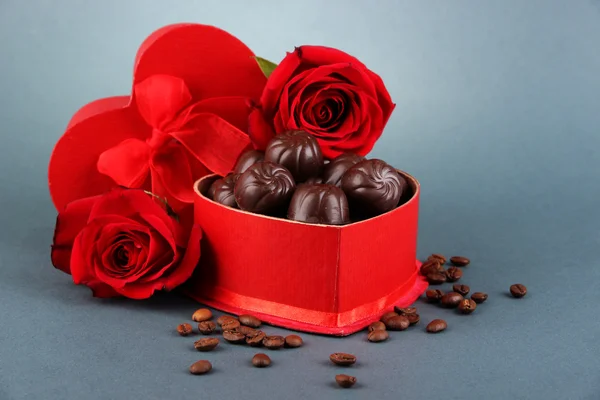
{"x": 319, "y": 204}
{"x": 314, "y": 180}
{"x": 224, "y": 190}
{"x": 333, "y": 172}
{"x": 211, "y": 189}
{"x": 373, "y": 187}
{"x": 298, "y": 151}
{"x": 264, "y": 188}
{"x": 247, "y": 159}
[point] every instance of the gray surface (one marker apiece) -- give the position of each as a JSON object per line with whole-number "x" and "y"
{"x": 498, "y": 116}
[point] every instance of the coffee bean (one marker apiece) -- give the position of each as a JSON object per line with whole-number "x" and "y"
{"x": 293, "y": 341}
{"x": 398, "y": 323}
{"x": 184, "y": 329}
{"x": 437, "y": 325}
{"x": 224, "y": 318}
{"x": 246, "y": 330}
{"x": 273, "y": 342}
{"x": 261, "y": 360}
{"x": 376, "y": 326}
{"x": 406, "y": 310}
{"x": 518, "y": 290}
{"x": 451, "y": 300}
{"x": 234, "y": 336}
{"x": 377, "y": 336}
{"x": 387, "y": 316}
{"x": 207, "y": 327}
{"x": 230, "y": 325}
{"x": 249, "y": 320}
{"x": 203, "y": 314}
{"x": 256, "y": 339}
{"x": 344, "y": 359}
{"x": 438, "y": 257}
{"x": 453, "y": 274}
{"x": 413, "y": 318}
{"x": 206, "y": 344}
{"x": 459, "y": 261}
{"x": 467, "y": 306}
{"x": 436, "y": 278}
{"x": 434, "y": 295}
{"x": 200, "y": 367}
{"x": 345, "y": 381}
{"x": 431, "y": 266}
{"x": 462, "y": 289}
{"x": 479, "y": 297}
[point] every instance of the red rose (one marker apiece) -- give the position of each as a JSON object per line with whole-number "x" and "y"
{"x": 327, "y": 93}
{"x": 124, "y": 243}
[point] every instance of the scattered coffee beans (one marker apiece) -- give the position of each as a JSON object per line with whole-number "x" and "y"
{"x": 467, "y": 306}
{"x": 261, "y": 360}
{"x": 377, "y": 336}
{"x": 451, "y": 300}
{"x": 345, "y": 381}
{"x": 376, "y": 326}
{"x": 397, "y": 323}
{"x": 406, "y": 310}
{"x": 387, "y": 316}
{"x": 200, "y": 367}
{"x": 273, "y": 342}
{"x": 246, "y": 330}
{"x": 203, "y": 314}
{"x": 230, "y": 325}
{"x": 234, "y": 336}
{"x": 436, "y": 278}
{"x": 413, "y": 318}
{"x": 207, "y": 327}
{"x": 431, "y": 266}
{"x": 462, "y": 289}
{"x": 440, "y": 258}
{"x": 479, "y": 297}
{"x": 184, "y": 329}
{"x": 293, "y": 341}
{"x": 437, "y": 325}
{"x": 223, "y": 318}
{"x": 206, "y": 344}
{"x": 344, "y": 359}
{"x": 434, "y": 295}
{"x": 249, "y": 320}
{"x": 459, "y": 261}
{"x": 256, "y": 338}
{"x": 518, "y": 290}
{"x": 453, "y": 274}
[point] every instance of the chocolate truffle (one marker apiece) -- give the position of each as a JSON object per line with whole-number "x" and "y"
{"x": 319, "y": 204}
{"x": 211, "y": 189}
{"x": 298, "y": 151}
{"x": 333, "y": 172}
{"x": 314, "y": 180}
{"x": 247, "y": 159}
{"x": 264, "y": 188}
{"x": 224, "y": 190}
{"x": 373, "y": 187}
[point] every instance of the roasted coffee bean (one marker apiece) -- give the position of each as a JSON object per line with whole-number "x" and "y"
{"x": 459, "y": 261}
{"x": 437, "y": 325}
{"x": 293, "y": 341}
{"x": 377, "y": 336}
{"x": 462, "y": 289}
{"x": 256, "y": 339}
{"x": 249, "y": 320}
{"x": 345, "y": 381}
{"x": 246, "y": 330}
{"x": 344, "y": 359}
{"x": 434, "y": 295}
{"x": 224, "y": 318}
{"x": 387, "y": 316}
{"x": 479, "y": 297}
{"x": 413, "y": 318}
{"x": 436, "y": 278}
{"x": 261, "y": 360}
{"x": 431, "y": 266}
{"x": 184, "y": 329}
{"x": 518, "y": 290}
{"x": 200, "y": 367}
{"x": 273, "y": 342}
{"x": 207, "y": 327}
{"x": 451, "y": 300}
{"x": 234, "y": 336}
{"x": 406, "y": 310}
{"x": 206, "y": 344}
{"x": 230, "y": 325}
{"x": 398, "y": 323}
{"x": 376, "y": 326}
{"x": 467, "y": 306}
{"x": 438, "y": 257}
{"x": 453, "y": 274}
{"x": 203, "y": 314}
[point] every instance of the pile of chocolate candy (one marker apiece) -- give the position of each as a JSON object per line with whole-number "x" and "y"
{"x": 291, "y": 179}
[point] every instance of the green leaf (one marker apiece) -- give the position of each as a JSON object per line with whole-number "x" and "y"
{"x": 265, "y": 65}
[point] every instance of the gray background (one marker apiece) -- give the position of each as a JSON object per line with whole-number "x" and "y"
{"x": 498, "y": 116}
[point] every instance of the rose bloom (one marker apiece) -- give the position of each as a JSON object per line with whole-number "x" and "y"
{"x": 123, "y": 243}
{"x": 327, "y": 93}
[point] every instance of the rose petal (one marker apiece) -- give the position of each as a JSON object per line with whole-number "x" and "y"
{"x": 259, "y": 130}
{"x": 81, "y": 266}
{"x": 126, "y": 163}
{"x": 171, "y": 165}
{"x": 126, "y": 203}
{"x": 278, "y": 78}
{"x": 189, "y": 261}
{"x": 102, "y": 290}
{"x": 322, "y": 55}
{"x": 384, "y": 99}
{"x": 342, "y": 73}
{"x": 160, "y": 98}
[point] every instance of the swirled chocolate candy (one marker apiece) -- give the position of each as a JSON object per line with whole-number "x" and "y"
{"x": 314, "y": 180}
{"x": 223, "y": 192}
{"x": 265, "y": 188}
{"x": 298, "y": 151}
{"x": 246, "y": 160}
{"x": 373, "y": 187}
{"x": 319, "y": 204}
{"x": 333, "y": 172}
{"x": 211, "y": 189}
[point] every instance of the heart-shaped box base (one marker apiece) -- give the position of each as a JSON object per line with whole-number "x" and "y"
{"x": 324, "y": 279}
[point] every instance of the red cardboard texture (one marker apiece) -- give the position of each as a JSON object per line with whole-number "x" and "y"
{"x": 316, "y": 278}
